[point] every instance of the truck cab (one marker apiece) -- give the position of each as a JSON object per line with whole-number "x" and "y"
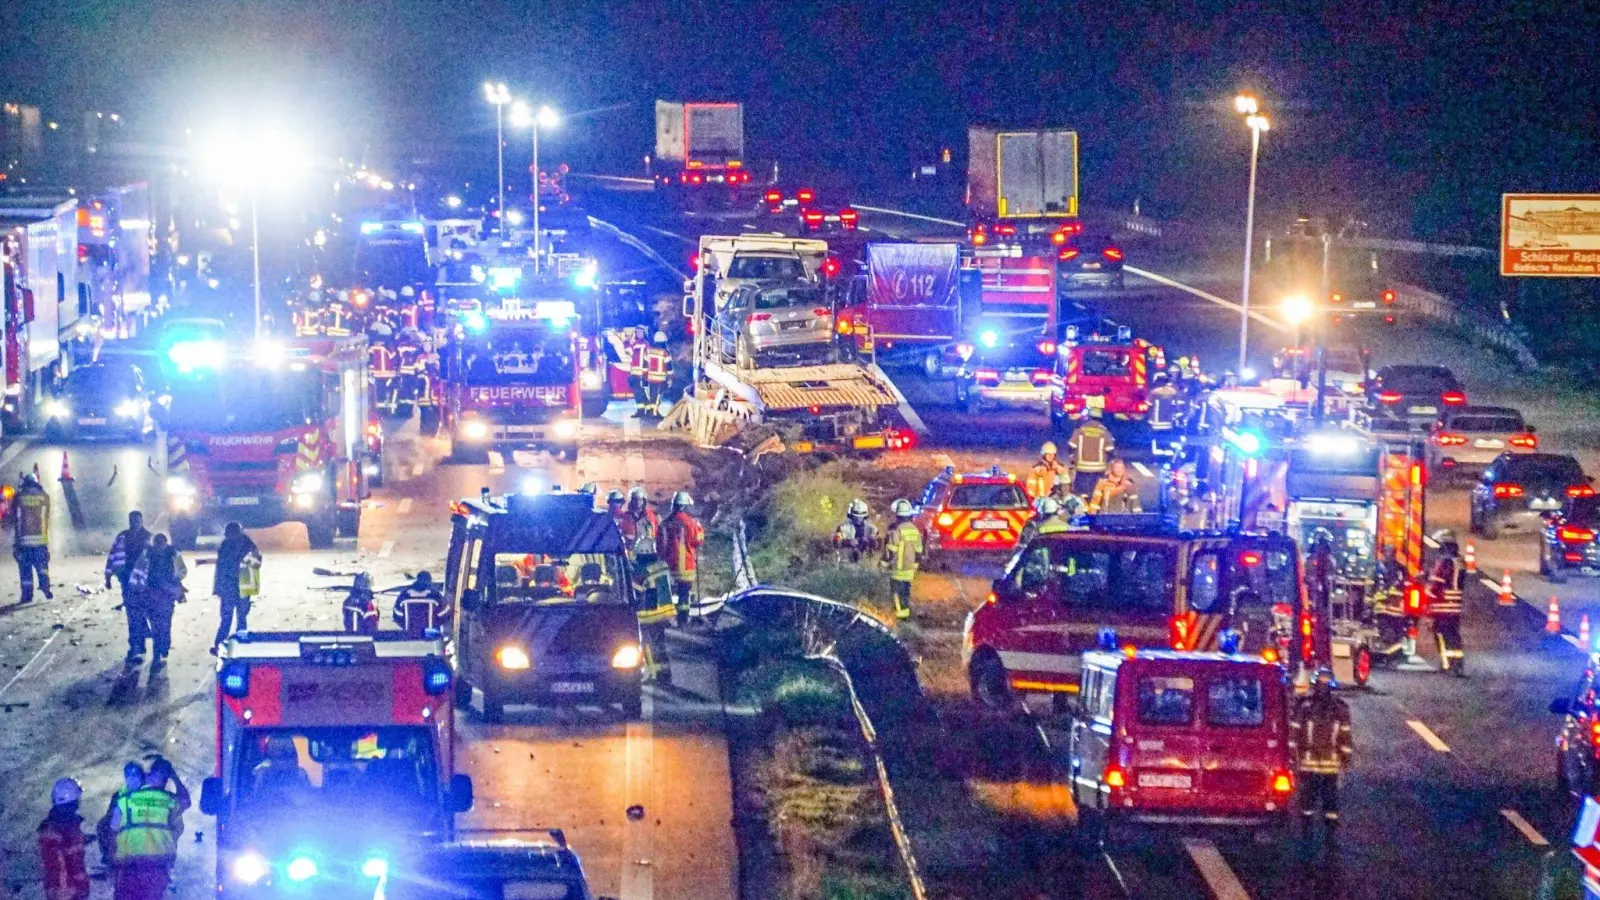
{"x": 317, "y": 731}
{"x": 513, "y": 379}
{"x": 547, "y": 607}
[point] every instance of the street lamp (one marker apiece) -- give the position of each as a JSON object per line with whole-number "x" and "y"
{"x": 254, "y": 161}
{"x": 524, "y": 117}
{"x": 1257, "y": 123}
{"x": 497, "y": 93}
{"x": 1296, "y": 309}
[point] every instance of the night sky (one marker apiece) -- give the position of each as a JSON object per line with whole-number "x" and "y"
{"x": 1414, "y": 116}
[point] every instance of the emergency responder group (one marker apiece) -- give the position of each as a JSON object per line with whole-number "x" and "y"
{"x": 137, "y": 836}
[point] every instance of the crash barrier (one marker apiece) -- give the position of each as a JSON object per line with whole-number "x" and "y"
{"x": 1480, "y": 326}
{"x": 842, "y": 637}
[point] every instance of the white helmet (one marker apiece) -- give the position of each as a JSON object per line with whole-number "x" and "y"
{"x": 1048, "y": 449}
{"x": 1046, "y": 506}
{"x": 407, "y": 291}
{"x": 682, "y": 500}
{"x": 66, "y": 790}
{"x": 902, "y": 508}
{"x": 857, "y": 508}
{"x": 661, "y": 337}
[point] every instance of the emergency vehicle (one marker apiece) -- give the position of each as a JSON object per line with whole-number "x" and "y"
{"x": 1141, "y": 576}
{"x": 494, "y": 863}
{"x": 1181, "y": 737}
{"x": 974, "y": 514}
{"x": 1105, "y": 377}
{"x": 1011, "y": 370}
{"x": 267, "y": 433}
{"x": 546, "y": 604}
{"x": 512, "y": 378}
{"x": 319, "y": 731}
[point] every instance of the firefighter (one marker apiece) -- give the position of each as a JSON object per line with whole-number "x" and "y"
{"x": 638, "y": 347}
{"x": 236, "y": 582}
{"x": 409, "y": 357}
{"x": 30, "y": 537}
{"x": 646, "y": 524}
{"x": 1444, "y": 603}
{"x": 855, "y": 536}
{"x": 1047, "y": 519}
{"x": 430, "y": 396}
{"x": 903, "y": 552}
{"x": 657, "y": 373}
{"x": 1319, "y": 739}
{"x": 617, "y": 509}
{"x": 61, "y": 844}
{"x": 159, "y": 575}
{"x": 360, "y": 609}
{"x": 1091, "y": 446}
{"x": 1042, "y": 478}
{"x": 678, "y": 543}
{"x": 1166, "y": 405}
{"x": 125, "y": 551}
{"x": 420, "y": 606}
{"x": 105, "y": 837}
{"x": 145, "y": 822}
{"x": 1116, "y": 491}
{"x": 385, "y": 377}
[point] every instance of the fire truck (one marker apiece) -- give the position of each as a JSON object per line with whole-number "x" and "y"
{"x": 512, "y": 379}
{"x": 268, "y": 433}
{"x": 335, "y": 761}
{"x": 1106, "y": 377}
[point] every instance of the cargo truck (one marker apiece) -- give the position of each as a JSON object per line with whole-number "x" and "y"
{"x": 1023, "y": 183}
{"x": 699, "y": 158}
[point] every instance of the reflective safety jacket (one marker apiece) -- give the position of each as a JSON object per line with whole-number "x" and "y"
{"x": 360, "y": 613}
{"x": 1444, "y": 584}
{"x": 418, "y": 609}
{"x": 409, "y": 359}
{"x": 903, "y": 552}
{"x": 1091, "y": 445}
{"x": 647, "y": 527}
{"x": 66, "y": 877}
{"x": 657, "y": 365}
{"x": 636, "y": 356}
{"x": 381, "y": 361}
{"x": 679, "y": 544}
{"x": 1042, "y": 478}
{"x": 427, "y": 384}
{"x": 144, "y": 825}
{"x": 1115, "y": 496}
{"x": 31, "y": 517}
{"x": 1164, "y": 408}
{"x": 855, "y": 536}
{"x": 125, "y": 551}
{"x": 652, "y": 594}
{"x": 160, "y": 569}
{"x": 1319, "y": 735}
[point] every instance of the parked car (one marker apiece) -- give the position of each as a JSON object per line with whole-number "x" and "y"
{"x": 1466, "y": 439}
{"x": 768, "y": 317}
{"x": 1518, "y": 489}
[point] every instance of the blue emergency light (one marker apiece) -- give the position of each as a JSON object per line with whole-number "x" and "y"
{"x": 475, "y": 321}
{"x": 411, "y": 227}
{"x": 436, "y": 675}
{"x": 1246, "y": 442}
{"x": 587, "y": 277}
{"x": 371, "y": 227}
{"x": 1107, "y": 639}
{"x": 301, "y": 868}
{"x": 989, "y": 338}
{"x": 1228, "y": 641}
{"x": 191, "y": 355}
{"x": 235, "y": 678}
{"x": 504, "y": 278}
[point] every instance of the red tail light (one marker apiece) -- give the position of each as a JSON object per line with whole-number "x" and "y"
{"x": 1007, "y": 230}
{"x": 1283, "y": 783}
{"x": 761, "y": 317}
{"x": 1113, "y": 253}
{"x": 1388, "y": 297}
{"x": 774, "y": 197}
{"x": 1113, "y": 776}
{"x": 697, "y": 178}
{"x": 979, "y": 239}
{"x": 1446, "y": 439}
{"x": 1580, "y": 490}
{"x": 849, "y": 216}
{"x": 830, "y": 267}
{"x": 1040, "y": 377}
{"x": 1505, "y": 490}
{"x": 812, "y": 216}
{"x": 1048, "y": 348}
{"x": 1389, "y": 398}
{"x": 1525, "y": 441}
{"x": 1572, "y": 534}
{"x": 1059, "y": 238}
{"x": 1453, "y": 398}
{"x": 987, "y": 375}
{"x": 843, "y": 323}
{"x": 1250, "y": 558}
{"x": 805, "y": 195}
{"x": 1594, "y": 734}
{"x": 1068, "y": 253}
{"x": 820, "y": 311}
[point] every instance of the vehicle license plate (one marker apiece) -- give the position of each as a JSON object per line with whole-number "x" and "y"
{"x": 91, "y": 421}
{"x": 794, "y": 326}
{"x": 1091, "y": 265}
{"x": 1423, "y": 410}
{"x": 571, "y": 687}
{"x": 1016, "y": 376}
{"x": 988, "y": 525}
{"x": 1488, "y": 445}
{"x": 1095, "y": 402}
{"x": 1163, "y": 780}
{"x": 242, "y": 501}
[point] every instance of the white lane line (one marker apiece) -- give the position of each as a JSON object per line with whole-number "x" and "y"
{"x": 416, "y": 470}
{"x": 1527, "y": 829}
{"x": 1143, "y": 469}
{"x": 1491, "y": 584}
{"x": 497, "y": 461}
{"x": 386, "y": 549}
{"x": 906, "y": 215}
{"x": 1428, "y": 737}
{"x": 1162, "y": 279}
{"x": 1572, "y": 639}
{"x": 638, "y": 835}
{"x": 1215, "y": 870}
{"x": 405, "y": 506}
{"x": 29, "y": 664}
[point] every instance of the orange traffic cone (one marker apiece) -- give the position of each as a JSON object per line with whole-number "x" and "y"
{"x": 1469, "y": 558}
{"x": 1552, "y": 617}
{"x": 66, "y": 468}
{"x": 1507, "y": 596}
{"x": 1583, "y": 631}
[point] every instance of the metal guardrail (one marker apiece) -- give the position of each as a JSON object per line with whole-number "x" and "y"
{"x": 1484, "y": 328}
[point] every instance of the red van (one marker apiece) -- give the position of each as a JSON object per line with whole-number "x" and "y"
{"x": 1184, "y": 737}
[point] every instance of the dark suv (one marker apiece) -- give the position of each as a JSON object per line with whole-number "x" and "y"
{"x": 1090, "y": 260}
{"x": 1518, "y": 489}
{"x": 1415, "y": 395}
{"x": 1571, "y": 539}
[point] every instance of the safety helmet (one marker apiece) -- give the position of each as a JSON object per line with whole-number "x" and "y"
{"x": 132, "y": 772}
{"x": 589, "y": 488}
{"x": 30, "y": 479}
{"x": 1048, "y": 449}
{"x": 363, "y": 581}
{"x": 1046, "y": 506}
{"x": 407, "y": 291}
{"x": 637, "y": 492}
{"x": 682, "y": 500}
{"x": 661, "y": 337}
{"x": 902, "y": 508}
{"x": 1323, "y": 680}
{"x": 64, "y": 791}
{"x": 616, "y": 496}
{"x": 1444, "y": 537}
{"x": 424, "y": 578}
{"x": 857, "y": 508}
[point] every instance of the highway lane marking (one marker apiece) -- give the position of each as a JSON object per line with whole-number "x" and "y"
{"x": 1490, "y": 583}
{"x": 405, "y": 506}
{"x": 1428, "y": 737}
{"x": 903, "y": 214}
{"x": 29, "y": 664}
{"x": 1527, "y": 829}
{"x": 1229, "y": 304}
{"x": 638, "y": 837}
{"x": 1215, "y": 870}
{"x": 1142, "y": 469}
{"x": 386, "y": 549}
{"x": 417, "y": 469}
{"x": 497, "y": 461}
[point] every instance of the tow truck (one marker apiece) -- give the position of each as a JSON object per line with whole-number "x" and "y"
{"x": 270, "y": 432}
{"x": 849, "y": 405}
{"x": 1105, "y": 376}
{"x": 511, "y": 377}
{"x": 546, "y": 604}
{"x": 318, "y": 733}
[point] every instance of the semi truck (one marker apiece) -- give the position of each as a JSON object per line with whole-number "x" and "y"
{"x": 1023, "y": 182}
{"x": 700, "y": 151}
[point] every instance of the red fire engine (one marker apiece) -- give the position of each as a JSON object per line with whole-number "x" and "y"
{"x": 1105, "y": 377}
{"x": 335, "y": 757}
{"x": 512, "y": 379}
{"x": 272, "y": 433}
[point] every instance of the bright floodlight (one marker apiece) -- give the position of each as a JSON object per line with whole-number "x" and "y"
{"x": 1257, "y": 122}
{"x": 1296, "y": 308}
{"x": 523, "y": 115}
{"x": 496, "y": 92}
{"x": 263, "y": 159}
{"x": 1246, "y": 105}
